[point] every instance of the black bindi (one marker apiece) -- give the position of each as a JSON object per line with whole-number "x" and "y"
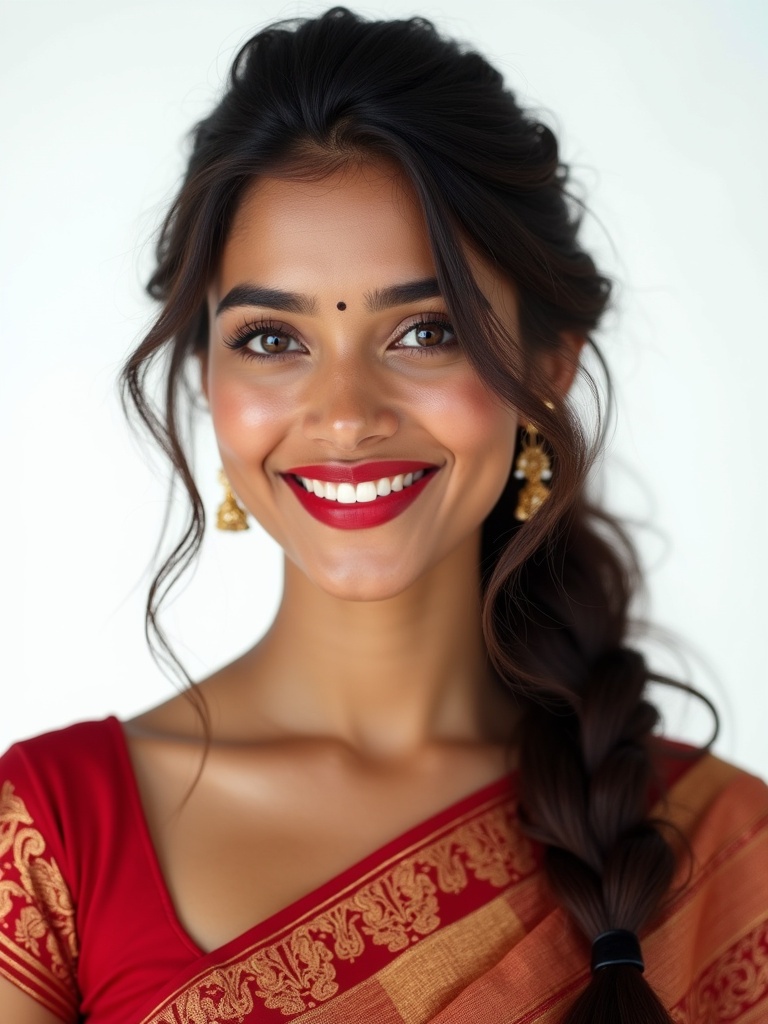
{"x": 341, "y": 305}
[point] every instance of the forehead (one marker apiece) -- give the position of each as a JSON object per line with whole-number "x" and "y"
{"x": 356, "y": 229}
{"x": 358, "y": 223}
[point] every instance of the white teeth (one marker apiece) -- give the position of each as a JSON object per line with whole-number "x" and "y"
{"x": 366, "y": 491}
{"x": 346, "y": 494}
{"x": 369, "y": 490}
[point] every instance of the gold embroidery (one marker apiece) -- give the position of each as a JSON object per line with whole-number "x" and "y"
{"x": 341, "y": 925}
{"x": 33, "y": 889}
{"x": 487, "y": 852}
{"x": 393, "y": 909}
{"x": 29, "y": 928}
{"x": 298, "y": 967}
{"x": 400, "y": 903}
{"x": 731, "y": 985}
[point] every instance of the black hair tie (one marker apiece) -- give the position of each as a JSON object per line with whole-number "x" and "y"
{"x": 616, "y": 947}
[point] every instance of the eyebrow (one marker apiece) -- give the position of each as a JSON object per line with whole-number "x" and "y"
{"x": 273, "y": 298}
{"x": 293, "y": 302}
{"x": 400, "y": 294}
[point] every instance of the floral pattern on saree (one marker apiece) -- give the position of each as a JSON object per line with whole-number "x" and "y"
{"x": 735, "y": 983}
{"x": 37, "y": 920}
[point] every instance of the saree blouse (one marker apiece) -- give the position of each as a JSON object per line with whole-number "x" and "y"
{"x": 451, "y": 923}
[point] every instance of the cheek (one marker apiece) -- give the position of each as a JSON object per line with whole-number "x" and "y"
{"x": 480, "y": 433}
{"x": 246, "y": 419}
{"x": 476, "y": 424}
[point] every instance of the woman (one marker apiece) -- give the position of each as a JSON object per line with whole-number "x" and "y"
{"x": 432, "y": 791}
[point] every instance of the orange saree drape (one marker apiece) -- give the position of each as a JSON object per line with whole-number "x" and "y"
{"x": 452, "y": 923}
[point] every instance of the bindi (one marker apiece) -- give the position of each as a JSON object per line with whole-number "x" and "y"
{"x": 341, "y": 305}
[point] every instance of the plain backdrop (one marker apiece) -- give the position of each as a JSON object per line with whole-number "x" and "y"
{"x": 661, "y": 111}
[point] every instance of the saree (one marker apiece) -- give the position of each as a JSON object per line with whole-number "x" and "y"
{"x": 450, "y": 923}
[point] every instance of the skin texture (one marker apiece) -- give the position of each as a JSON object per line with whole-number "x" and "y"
{"x": 19, "y": 1008}
{"x": 369, "y": 704}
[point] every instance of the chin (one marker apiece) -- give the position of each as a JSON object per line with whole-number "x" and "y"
{"x": 359, "y": 579}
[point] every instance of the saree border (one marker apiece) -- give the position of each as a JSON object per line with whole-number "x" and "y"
{"x": 343, "y": 934}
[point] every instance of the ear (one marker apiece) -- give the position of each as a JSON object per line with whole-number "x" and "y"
{"x": 560, "y": 365}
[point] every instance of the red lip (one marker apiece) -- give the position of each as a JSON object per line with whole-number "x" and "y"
{"x": 358, "y": 473}
{"x": 361, "y": 515}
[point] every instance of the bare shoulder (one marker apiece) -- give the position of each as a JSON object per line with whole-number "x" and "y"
{"x": 179, "y": 744}
{"x": 194, "y": 713}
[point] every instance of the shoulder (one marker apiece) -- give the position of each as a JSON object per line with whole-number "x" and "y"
{"x": 47, "y": 786}
{"x": 50, "y": 759}
{"x": 68, "y": 741}
{"x": 57, "y": 781}
{"x": 674, "y": 761}
{"x": 709, "y": 943}
{"x": 715, "y": 804}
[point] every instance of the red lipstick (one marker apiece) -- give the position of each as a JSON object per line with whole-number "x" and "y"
{"x": 364, "y": 514}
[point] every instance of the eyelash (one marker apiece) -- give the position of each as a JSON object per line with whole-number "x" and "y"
{"x": 243, "y": 334}
{"x": 247, "y": 331}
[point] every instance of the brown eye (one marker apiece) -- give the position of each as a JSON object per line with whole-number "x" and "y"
{"x": 271, "y": 342}
{"x": 428, "y": 335}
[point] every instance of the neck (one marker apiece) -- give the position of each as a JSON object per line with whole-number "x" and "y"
{"x": 386, "y": 677}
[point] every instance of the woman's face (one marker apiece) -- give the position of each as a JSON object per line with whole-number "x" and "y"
{"x": 332, "y": 359}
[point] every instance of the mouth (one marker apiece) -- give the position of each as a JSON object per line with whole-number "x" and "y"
{"x": 359, "y": 496}
{"x": 346, "y": 493}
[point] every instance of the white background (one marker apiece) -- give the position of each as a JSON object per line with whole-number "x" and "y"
{"x": 661, "y": 109}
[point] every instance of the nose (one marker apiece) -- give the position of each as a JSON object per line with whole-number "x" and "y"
{"x": 347, "y": 408}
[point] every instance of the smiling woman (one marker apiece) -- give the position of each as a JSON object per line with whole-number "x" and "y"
{"x": 437, "y": 781}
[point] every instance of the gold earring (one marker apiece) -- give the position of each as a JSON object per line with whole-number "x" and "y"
{"x": 534, "y": 466}
{"x": 230, "y": 515}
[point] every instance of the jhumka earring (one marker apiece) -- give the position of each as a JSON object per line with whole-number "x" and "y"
{"x": 230, "y": 515}
{"x": 534, "y": 466}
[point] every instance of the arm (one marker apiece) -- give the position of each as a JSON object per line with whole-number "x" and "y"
{"x": 19, "y": 1008}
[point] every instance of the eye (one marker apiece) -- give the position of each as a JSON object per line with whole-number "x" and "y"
{"x": 263, "y": 341}
{"x": 427, "y": 334}
{"x": 272, "y": 343}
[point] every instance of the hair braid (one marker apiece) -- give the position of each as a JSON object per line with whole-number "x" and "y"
{"x": 586, "y": 757}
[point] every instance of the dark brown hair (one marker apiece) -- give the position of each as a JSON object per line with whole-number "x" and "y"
{"x": 313, "y": 93}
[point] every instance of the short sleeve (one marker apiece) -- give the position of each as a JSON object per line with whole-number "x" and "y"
{"x": 38, "y": 942}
